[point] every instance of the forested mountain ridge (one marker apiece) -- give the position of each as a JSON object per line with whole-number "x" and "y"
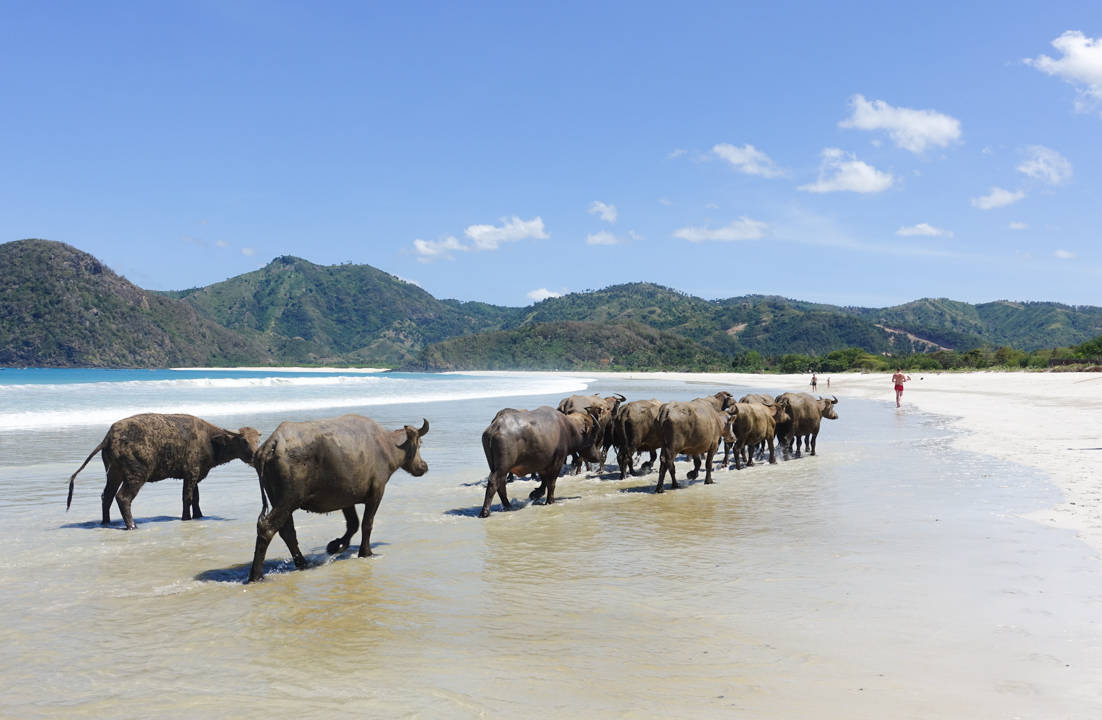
{"x": 62, "y": 307}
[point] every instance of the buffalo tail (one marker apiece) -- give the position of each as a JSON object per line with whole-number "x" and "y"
{"x": 73, "y": 477}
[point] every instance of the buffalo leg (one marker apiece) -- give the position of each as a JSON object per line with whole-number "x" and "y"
{"x": 124, "y": 497}
{"x": 708, "y": 466}
{"x": 495, "y": 483}
{"x": 370, "y": 508}
{"x": 695, "y": 472}
{"x": 114, "y": 480}
{"x": 290, "y": 539}
{"x": 190, "y": 500}
{"x": 772, "y": 456}
{"x": 549, "y": 482}
{"x": 351, "y": 525}
{"x": 814, "y": 437}
{"x": 266, "y": 528}
{"x": 738, "y": 456}
{"x": 540, "y": 489}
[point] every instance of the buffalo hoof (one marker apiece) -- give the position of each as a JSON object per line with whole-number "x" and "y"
{"x": 659, "y": 490}
{"x": 691, "y": 475}
{"x": 536, "y": 494}
{"x": 300, "y": 563}
{"x": 484, "y": 514}
{"x": 709, "y": 481}
{"x": 336, "y": 546}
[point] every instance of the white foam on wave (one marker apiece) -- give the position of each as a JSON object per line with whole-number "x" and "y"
{"x": 190, "y": 383}
{"x": 111, "y": 409}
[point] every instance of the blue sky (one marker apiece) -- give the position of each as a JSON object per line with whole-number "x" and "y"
{"x": 851, "y": 153}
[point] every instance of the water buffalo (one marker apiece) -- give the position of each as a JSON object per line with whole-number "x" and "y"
{"x": 151, "y": 447}
{"x": 780, "y": 415}
{"x": 635, "y": 428}
{"x": 806, "y": 413}
{"x": 752, "y": 424}
{"x": 326, "y": 465}
{"x": 536, "y": 441}
{"x": 606, "y": 407}
{"x": 694, "y": 428}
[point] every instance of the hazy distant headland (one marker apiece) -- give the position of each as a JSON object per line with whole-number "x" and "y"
{"x": 61, "y": 307}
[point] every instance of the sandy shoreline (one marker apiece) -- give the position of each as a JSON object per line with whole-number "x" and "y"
{"x": 1046, "y": 421}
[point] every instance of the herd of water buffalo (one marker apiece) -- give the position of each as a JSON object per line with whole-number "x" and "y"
{"x": 334, "y": 464}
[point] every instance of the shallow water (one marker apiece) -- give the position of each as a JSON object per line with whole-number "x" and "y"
{"x": 887, "y": 577}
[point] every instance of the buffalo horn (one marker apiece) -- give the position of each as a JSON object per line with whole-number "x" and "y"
{"x": 618, "y": 395}
{"x": 424, "y": 428}
{"x": 835, "y": 399}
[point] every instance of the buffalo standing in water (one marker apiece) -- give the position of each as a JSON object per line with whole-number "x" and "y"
{"x": 328, "y": 465}
{"x": 151, "y": 447}
{"x": 536, "y": 441}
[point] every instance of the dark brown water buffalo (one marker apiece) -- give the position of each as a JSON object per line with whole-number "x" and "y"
{"x": 151, "y": 447}
{"x": 752, "y": 424}
{"x": 536, "y": 441}
{"x": 806, "y": 412}
{"x": 694, "y": 428}
{"x": 326, "y": 465}
{"x": 606, "y": 406}
{"x": 780, "y": 414}
{"x": 635, "y": 429}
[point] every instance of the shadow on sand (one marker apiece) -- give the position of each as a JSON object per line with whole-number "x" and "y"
{"x": 118, "y": 524}
{"x": 239, "y": 573}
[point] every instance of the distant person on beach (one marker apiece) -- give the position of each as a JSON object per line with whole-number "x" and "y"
{"x": 828, "y": 383}
{"x": 898, "y": 379}
{"x": 814, "y": 382}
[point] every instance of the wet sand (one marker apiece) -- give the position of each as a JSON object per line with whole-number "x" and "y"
{"x": 893, "y": 575}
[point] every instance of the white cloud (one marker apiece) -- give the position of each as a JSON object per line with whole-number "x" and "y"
{"x": 607, "y": 212}
{"x": 1017, "y": 226}
{"x": 1045, "y": 164}
{"x": 221, "y": 243}
{"x": 483, "y": 237}
{"x": 665, "y": 201}
{"x": 429, "y": 250}
{"x": 840, "y": 170}
{"x": 602, "y": 238}
{"x": 748, "y": 159}
{"x": 407, "y": 281}
{"x": 742, "y": 229}
{"x": 635, "y": 235}
{"x": 1064, "y": 254}
{"x": 910, "y": 129}
{"x": 924, "y": 229}
{"x": 998, "y": 197}
{"x": 248, "y": 252}
{"x": 1081, "y": 65}
{"x": 543, "y": 294}
{"x": 490, "y": 237}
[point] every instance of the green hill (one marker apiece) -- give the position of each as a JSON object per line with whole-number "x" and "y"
{"x": 571, "y": 345}
{"x": 61, "y": 307}
{"x": 336, "y": 314}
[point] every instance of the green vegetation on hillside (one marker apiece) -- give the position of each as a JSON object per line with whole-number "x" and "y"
{"x": 62, "y": 307}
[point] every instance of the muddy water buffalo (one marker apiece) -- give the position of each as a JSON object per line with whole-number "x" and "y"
{"x": 635, "y": 429}
{"x": 781, "y": 417}
{"x": 151, "y": 447}
{"x": 326, "y": 465}
{"x": 752, "y": 424}
{"x": 605, "y": 408}
{"x": 536, "y": 441}
{"x": 806, "y": 412}
{"x": 694, "y": 428}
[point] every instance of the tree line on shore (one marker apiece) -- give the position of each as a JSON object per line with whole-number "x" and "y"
{"x": 1085, "y": 356}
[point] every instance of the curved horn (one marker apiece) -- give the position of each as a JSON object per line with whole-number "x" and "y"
{"x": 424, "y": 428}
{"x": 835, "y": 399}
{"x": 618, "y": 395}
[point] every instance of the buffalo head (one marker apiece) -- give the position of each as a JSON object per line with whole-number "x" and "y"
{"x": 240, "y": 445}
{"x": 826, "y": 407}
{"x": 411, "y": 446}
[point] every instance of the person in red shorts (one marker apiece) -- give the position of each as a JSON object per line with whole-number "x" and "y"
{"x": 898, "y": 379}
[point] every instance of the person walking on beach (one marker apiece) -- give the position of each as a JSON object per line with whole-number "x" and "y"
{"x": 814, "y": 382}
{"x": 898, "y": 379}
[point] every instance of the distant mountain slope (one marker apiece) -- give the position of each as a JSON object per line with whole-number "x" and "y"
{"x": 347, "y": 313}
{"x": 571, "y": 345}
{"x": 62, "y": 307}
